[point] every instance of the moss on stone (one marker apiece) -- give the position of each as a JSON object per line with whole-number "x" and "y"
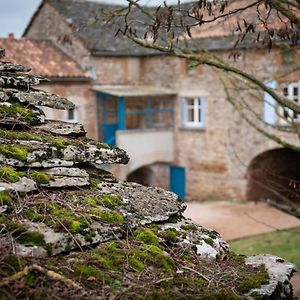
{"x": 32, "y": 215}
{"x": 31, "y": 238}
{"x": 209, "y": 241}
{"x": 147, "y": 236}
{"x": 110, "y": 257}
{"x": 10, "y": 175}
{"x": 151, "y": 255}
{"x": 60, "y": 144}
{"x": 90, "y": 235}
{"x": 89, "y": 271}
{"x": 75, "y": 226}
{"x": 111, "y": 201}
{"x": 170, "y": 235}
{"x": 21, "y": 113}
{"x": 252, "y": 281}
{"x": 189, "y": 227}
{"x": 5, "y": 198}
{"x": 40, "y": 177}
{"x": 94, "y": 183}
{"x": 15, "y": 135}
{"x": 57, "y": 217}
{"x": 91, "y": 201}
{"x": 18, "y": 152}
{"x": 106, "y": 216}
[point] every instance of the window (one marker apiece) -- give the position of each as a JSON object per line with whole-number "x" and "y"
{"x": 290, "y": 91}
{"x": 193, "y": 112}
{"x": 71, "y": 115}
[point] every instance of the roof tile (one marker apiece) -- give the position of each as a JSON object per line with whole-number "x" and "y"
{"x": 43, "y": 57}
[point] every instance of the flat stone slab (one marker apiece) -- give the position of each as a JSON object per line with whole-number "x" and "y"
{"x": 238, "y": 220}
{"x": 62, "y": 128}
{"x": 42, "y": 98}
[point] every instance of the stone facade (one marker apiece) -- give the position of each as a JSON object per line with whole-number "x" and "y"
{"x": 215, "y": 157}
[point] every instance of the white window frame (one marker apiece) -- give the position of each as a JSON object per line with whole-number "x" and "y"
{"x": 198, "y": 108}
{"x": 290, "y": 95}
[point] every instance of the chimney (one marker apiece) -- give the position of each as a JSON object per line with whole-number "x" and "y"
{"x": 11, "y": 36}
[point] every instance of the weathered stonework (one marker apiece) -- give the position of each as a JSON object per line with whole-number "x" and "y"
{"x": 67, "y": 224}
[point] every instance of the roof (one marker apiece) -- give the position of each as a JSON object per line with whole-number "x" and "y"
{"x": 43, "y": 57}
{"x": 87, "y": 19}
{"x": 133, "y": 90}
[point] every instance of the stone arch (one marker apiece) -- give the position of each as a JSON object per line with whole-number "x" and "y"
{"x": 142, "y": 175}
{"x": 156, "y": 174}
{"x": 274, "y": 175}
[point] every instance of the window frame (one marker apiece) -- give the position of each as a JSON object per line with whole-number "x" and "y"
{"x": 290, "y": 86}
{"x": 198, "y": 111}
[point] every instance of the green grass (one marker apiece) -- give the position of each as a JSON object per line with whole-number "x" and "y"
{"x": 284, "y": 243}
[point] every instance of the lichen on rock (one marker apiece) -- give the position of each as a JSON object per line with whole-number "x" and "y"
{"x": 70, "y": 228}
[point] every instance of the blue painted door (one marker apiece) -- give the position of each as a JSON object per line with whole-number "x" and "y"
{"x": 109, "y": 133}
{"x": 177, "y": 181}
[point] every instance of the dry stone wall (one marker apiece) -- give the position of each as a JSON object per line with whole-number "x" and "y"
{"x": 70, "y": 230}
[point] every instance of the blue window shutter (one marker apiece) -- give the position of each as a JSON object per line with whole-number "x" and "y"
{"x": 183, "y": 110}
{"x": 270, "y": 104}
{"x": 202, "y": 115}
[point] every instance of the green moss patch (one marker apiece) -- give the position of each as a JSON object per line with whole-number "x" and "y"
{"x": 111, "y": 201}
{"x": 40, "y": 177}
{"x": 150, "y": 255}
{"x": 106, "y": 216}
{"x": 21, "y": 113}
{"x": 10, "y": 175}
{"x": 189, "y": 227}
{"x": 5, "y": 198}
{"x": 15, "y": 135}
{"x": 147, "y": 236}
{"x": 57, "y": 217}
{"x": 109, "y": 257}
{"x": 170, "y": 235}
{"x": 15, "y": 151}
{"x": 108, "y": 201}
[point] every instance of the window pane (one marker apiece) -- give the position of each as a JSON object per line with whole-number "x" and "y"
{"x": 296, "y": 91}
{"x": 285, "y": 91}
{"x": 190, "y": 115}
{"x": 162, "y": 119}
{"x": 199, "y": 115}
{"x": 190, "y": 102}
{"x": 199, "y": 102}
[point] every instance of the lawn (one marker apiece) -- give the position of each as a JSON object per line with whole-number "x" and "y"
{"x": 283, "y": 243}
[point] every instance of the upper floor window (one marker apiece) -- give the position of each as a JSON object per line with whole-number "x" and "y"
{"x": 291, "y": 92}
{"x": 193, "y": 112}
{"x": 277, "y": 114}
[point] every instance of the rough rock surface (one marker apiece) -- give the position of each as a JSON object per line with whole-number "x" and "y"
{"x": 70, "y": 230}
{"x": 280, "y": 273}
{"x": 63, "y": 128}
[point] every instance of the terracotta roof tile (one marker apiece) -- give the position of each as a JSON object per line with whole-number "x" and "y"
{"x": 43, "y": 57}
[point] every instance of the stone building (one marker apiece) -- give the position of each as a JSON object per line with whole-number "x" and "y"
{"x": 65, "y": 75}
{"x": 176, "y": 122}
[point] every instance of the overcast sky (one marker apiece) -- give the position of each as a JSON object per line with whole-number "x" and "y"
{"x": 15, "y": 14}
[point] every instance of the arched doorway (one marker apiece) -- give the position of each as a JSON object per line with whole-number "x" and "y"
{"x": 156, "y": 174}
{"x": 143, "y": 175}
{"x": 275, "y": 175}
